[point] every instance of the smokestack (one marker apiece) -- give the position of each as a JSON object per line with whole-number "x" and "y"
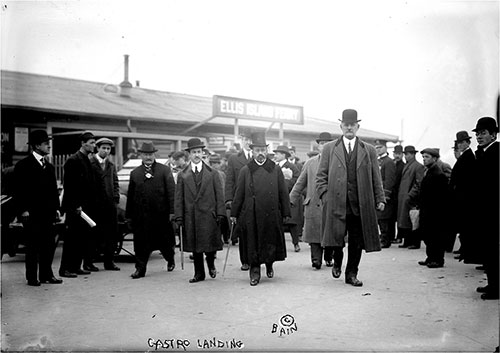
{"x": 125, "y": 86}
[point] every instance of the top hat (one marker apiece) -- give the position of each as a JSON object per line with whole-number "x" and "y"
{"x": 283, "y": 149}
{"x": 398, "y": 149}
{"x": 259, "y": 140}
{"x": 381, "y": 143}
{"x": 434, "y": 152}
{"x": 410, "y": 149}
{"x": 349, "y": 116}
{"x": 194, "y": 143}
{"x": 462, "y": 136}
{"x": 36, "y": 137}
{"x": 104, "y": 141}
{"x": 87, "y": 135}
{"x": 147, "y": 147}
{"x": 486, "y": 123}
{"x": 324, "y": 136}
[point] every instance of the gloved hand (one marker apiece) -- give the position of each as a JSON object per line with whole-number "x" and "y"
{"x": 233, "y": 220}
{"x": 228, "y": 205}
{"x": 287, "y": 173}
{"x": 179, "y": 222}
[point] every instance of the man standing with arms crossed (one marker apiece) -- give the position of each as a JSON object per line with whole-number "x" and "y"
{"x": 350, "y": 188}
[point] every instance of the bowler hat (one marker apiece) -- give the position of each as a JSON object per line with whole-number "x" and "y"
{"x": 283, "y": 149}
{"x": 410, "y": 149}
{"x": 486, "y": 123}
{"x": 194, "y": 143}
{"x": 398, "y": 149}
{"x": 147, "y": 147}
{"x": 104, "y": 141}
{"x": 349, "y": 116}
{"x": 258, "y": 139}
{"x": 36, "y": 137}
{"x": 324, "y": 136}
{"x": 87, "y": 135}
{"x": 380, "y": 143}
{"x": 434, "y": 152}
{"x": 462, "y": 136}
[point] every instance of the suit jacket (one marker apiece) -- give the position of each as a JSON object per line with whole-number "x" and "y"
{"x": 413, "y": 172}
{"x": 234, "y": 165}
{"x": 297, "y": 210}
{"x": 388, "y": 173}
{"x": 331, "y": 186}
{"x": 35, "y": 190}
{"x": 107, "y": 180}
{"x": 462, "y": 175}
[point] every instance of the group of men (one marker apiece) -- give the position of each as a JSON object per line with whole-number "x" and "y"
{"x": 349, "y": 192}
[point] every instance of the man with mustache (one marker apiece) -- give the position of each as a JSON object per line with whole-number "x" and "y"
{"x": 260, "y": 206}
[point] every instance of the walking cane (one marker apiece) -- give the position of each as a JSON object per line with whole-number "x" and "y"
{"x": 182, "y": 248}
{"x": 228, "y": 247}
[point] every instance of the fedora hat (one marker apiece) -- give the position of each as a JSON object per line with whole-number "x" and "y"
{"x": 36, "y": 137}
{"x": 194, "y": 143}
{"x": 283, "y": 149}
{"x": 104, "y": 141}
{"x": 398, "y": 149}
{"x": 147, "y": 147}
{"x": 462, "y": 136}
{"x": 486, "y": 123}
{"x": 349, "y": 116}
{"x": 324, "y": 136}
{"x": 410, "y": 149}
{"x": 258, "y": 139}
{"x": 434, "y": 152}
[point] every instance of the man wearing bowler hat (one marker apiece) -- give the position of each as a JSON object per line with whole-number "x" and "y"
{"x": 80, "y": 195}
{"x": 199, "y": 208}
{"x": 261, "y": 205}
{"x": 350, "y": 188}
{"x": 150, "y": 208}
{"x": 487, "y": 192}
{"x": 412, "y": 175}
{"x": 37, "y": 201}
{"x": 108, "y": 199}
{"x": 400, "y": 164}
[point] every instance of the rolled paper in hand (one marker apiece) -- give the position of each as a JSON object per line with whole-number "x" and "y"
{"x": 87, "y": 219}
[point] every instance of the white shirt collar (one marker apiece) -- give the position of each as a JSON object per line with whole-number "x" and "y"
{"x": 38, "y": 157}
{"x": 347, "y": 141}
{"x": 282, "y": 163}
{"x": 101, "y": 160}
{"x": 198, "y": 165}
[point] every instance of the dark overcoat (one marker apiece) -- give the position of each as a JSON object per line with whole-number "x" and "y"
{"x": 399, "y": 173}
{"x": 413, "y": 172}
{"x": 388, "y": 173}
{"x": 150, "y": 201}
{"x": 199, "y": 210}
{"x": 296, "y": 209}
{"x": 260, "y": 204}
{"x": 108, "y": 191}
{"x": 331, "y": 186}
{"x": 234, "y": 165}
{"x": 312, "y": 204}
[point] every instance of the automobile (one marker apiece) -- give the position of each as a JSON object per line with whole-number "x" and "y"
{"x": 124, "y": 172}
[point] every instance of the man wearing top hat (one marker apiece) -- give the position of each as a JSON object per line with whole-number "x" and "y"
{"x": 107, "y": 201}
{"x": 261, "y": 204}
{"x": 350, "y": 188}
{"x": 463, "y": 189}
{"x": 37, "y": 200}
{"x": 487, "y": 194}
{"x": 312, "y": 205}
{"x": 399, "y": 164}
{"x": 386, "y": 219}
{"x": 80, "y": 195}
{"x": 291, "y": 174}
{"x": 412, "y": 175}
{"x": 199, "y": 208}
{"x": 433, "y": 203}
{"x": 150, "y": 208}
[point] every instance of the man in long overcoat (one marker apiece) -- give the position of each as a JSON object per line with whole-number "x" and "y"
{"x": 433, "y": 202}
{"x": 413, "y": 172}
{"x": 150, "y": 208}
{"x": 350, "y": 187}
{"x": 291, "y": 174}
{"x": 37, "y": 200}
{"x": 400, "y": 164}
{"x": 312, "y": 205}
{"x": 199, "y": 208}
{"x": 234, "y": 165}
{"x": 260, "y": 206}
{"x": 107, "y": 201}
{"x": 386, "y": 219}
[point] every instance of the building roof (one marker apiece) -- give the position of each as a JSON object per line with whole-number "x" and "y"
{"x": 86, "y": 98}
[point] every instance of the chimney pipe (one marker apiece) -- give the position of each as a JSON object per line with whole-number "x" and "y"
{"x": 125, "y": 86}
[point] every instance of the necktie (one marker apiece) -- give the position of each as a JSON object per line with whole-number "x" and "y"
{"x": 103, "y": 165}
{"x": 42, "y": 160}
{"x": 196, "y": 171}
{"x": 350, "y": 149}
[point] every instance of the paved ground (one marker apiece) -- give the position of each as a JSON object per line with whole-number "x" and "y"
{"x": 402, "y": 307}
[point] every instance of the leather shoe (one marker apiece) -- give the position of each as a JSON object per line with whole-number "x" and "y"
{"x": 329, "y": 263}
{"x": 482, "y": 289}
{"x": 245, "y": 267}
{"x": 111, "y": 267}
{"x": 336, "y": 271}
{"x": 212, "y": 272}
{"x": 270, "y": 272}
{"x": 90, "y": 268}
{"x": 489, "y": 295}
{"x": 137, "y": 274}
{"x": 67, "y": 274}
{"x": 434, "y": 264}
{"x": 397, "y": 241}
{"x": 254, "y": 282}
{"x": 403, "y": 246}
{"x": 196, "y": 279}
{"x": 82, "y": 272}
{"x": 171, "y": 266}
{"x": 52, "y": 280}
{"x": 316, "y": 265}
{"x": 296, "y": 247}
{"x": 34, "y": 283}
{"x": 353, "y": 281}
{"x": 385, "y": 245}
{"x": 413, "y": 247}
{"x": 423, "y": 263}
